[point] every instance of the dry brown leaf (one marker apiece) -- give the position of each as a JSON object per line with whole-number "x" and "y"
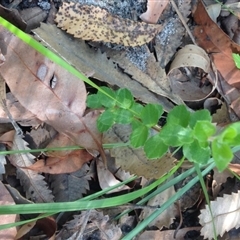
{"x": 225, "y": 211}
{"x": 160, "y": 85}
{"x": 218, "y": 179}
{"x": 107, "y": 179}
{"x": 32, "y": 182}
{"x": 67, "y": 164}
{"x": 6, "y": 139}
{"x": 167, "y": 234}
{"x": 88, "y": 221}
{"x": 213, "y": 11}
{"x": 96, "y": 24}
{"x": 185, "y": 8}
{"x": 50, "y": 92}
{"x": 222, "y": 115}
{"x": 134, "y": 160}
{"x": 13, "y": 16}
{"x": 235, "y": 168}
{"x": 47, "y": 225}
{"x": 32, "y": 17}
{"x": 41, "y": 137}
{"x": 6, "y": 199}
{"x": 165, "y": 218}
{"x": 18, "y": 198}
{"x": 154, "y": 10}
{"x": 168, "y": 40}
{"x": 71, "y": 186}
{"x": 59, "y": 140}
{"x": 211, "y": 38}
{"x": 88, "y": 60}
{"x": 18, "y": 112}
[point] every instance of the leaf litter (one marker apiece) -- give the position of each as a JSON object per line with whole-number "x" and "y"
{"x": 118, "y": 62}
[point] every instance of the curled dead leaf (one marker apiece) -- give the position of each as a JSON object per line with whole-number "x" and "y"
{"x": 184, "y": 78}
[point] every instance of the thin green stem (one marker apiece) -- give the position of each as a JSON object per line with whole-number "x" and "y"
{"x": 197, "y": 168}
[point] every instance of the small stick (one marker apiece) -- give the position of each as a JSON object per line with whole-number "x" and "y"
{"x": 183, "y": 21}
{"x": 16, "y": 127}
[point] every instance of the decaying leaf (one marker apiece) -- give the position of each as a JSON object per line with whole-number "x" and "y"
{"x": 154, "y": 10}
{"x": 47, "y": 225}
{"x": 41, "y": 137}
{"x": 185, "y": 8}
{"x": 12, "y": 15}
{"x": 6, "y": 140}
{"x": 214, "y": 11}
{"x": 168, "y": 40}
{"x": 71, "y": 186}
{"x": 88, "y": 222}
{"x": 211, "y": 38}
{"x": 56, "y": 165}
{"x": 234, "y": 7}
{"x": 32, "y": 182}
{"x": 167, "y": 234}
{"x": 6, "y": 199}
{"x": 159, "y": 85}
{"x": 166, "y": 218}
{"x": 134, "y": 160}
{"x": 32, "y": 17}
{"x": 18, "y": 113}
{"x": 107, "y": 179}
{"x": 61, "y": 161}
{"x": 51, "y": 93}
{"x": 96, "y": 24}
{"x": 87, "y": 60}
{"x": 222, "y": 115}
{"x": 225, "y": 213}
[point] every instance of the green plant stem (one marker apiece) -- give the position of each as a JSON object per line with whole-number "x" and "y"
{"x": 106, "y": 146}
{"x": 200, "y": 176}
{"x": 82, "y": 204}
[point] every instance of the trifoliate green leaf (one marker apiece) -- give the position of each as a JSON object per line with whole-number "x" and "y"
{"x": 139, "y": 136}
{"x": 179, "y": 115}
{"x": 124, "y": 98}
{"x": 137, "y": 108}
{"x": 154, "y": 147}
{"x": 222, "y": 154}
{"x": 236, "y": 59}
{"x": 231, "y": 135}
{"x": 176, "y": 135}
{"x": 105, "y": 120}
{"x": 150, "y": 114}
{"x": 200, "y": 115}
{"x": 123, "y": 116}
{"x": 104, "y": 98}
{"x": 195, "y": 153}
{"x": 93, "y": 101}
{"x": 203, "y": 130}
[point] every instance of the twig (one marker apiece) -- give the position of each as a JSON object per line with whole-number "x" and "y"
{"x": 181, "y": 220}
{"x": 183, "y": 21}
{"x": 16, "y": 127}
{"x": 79, "y": 235}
